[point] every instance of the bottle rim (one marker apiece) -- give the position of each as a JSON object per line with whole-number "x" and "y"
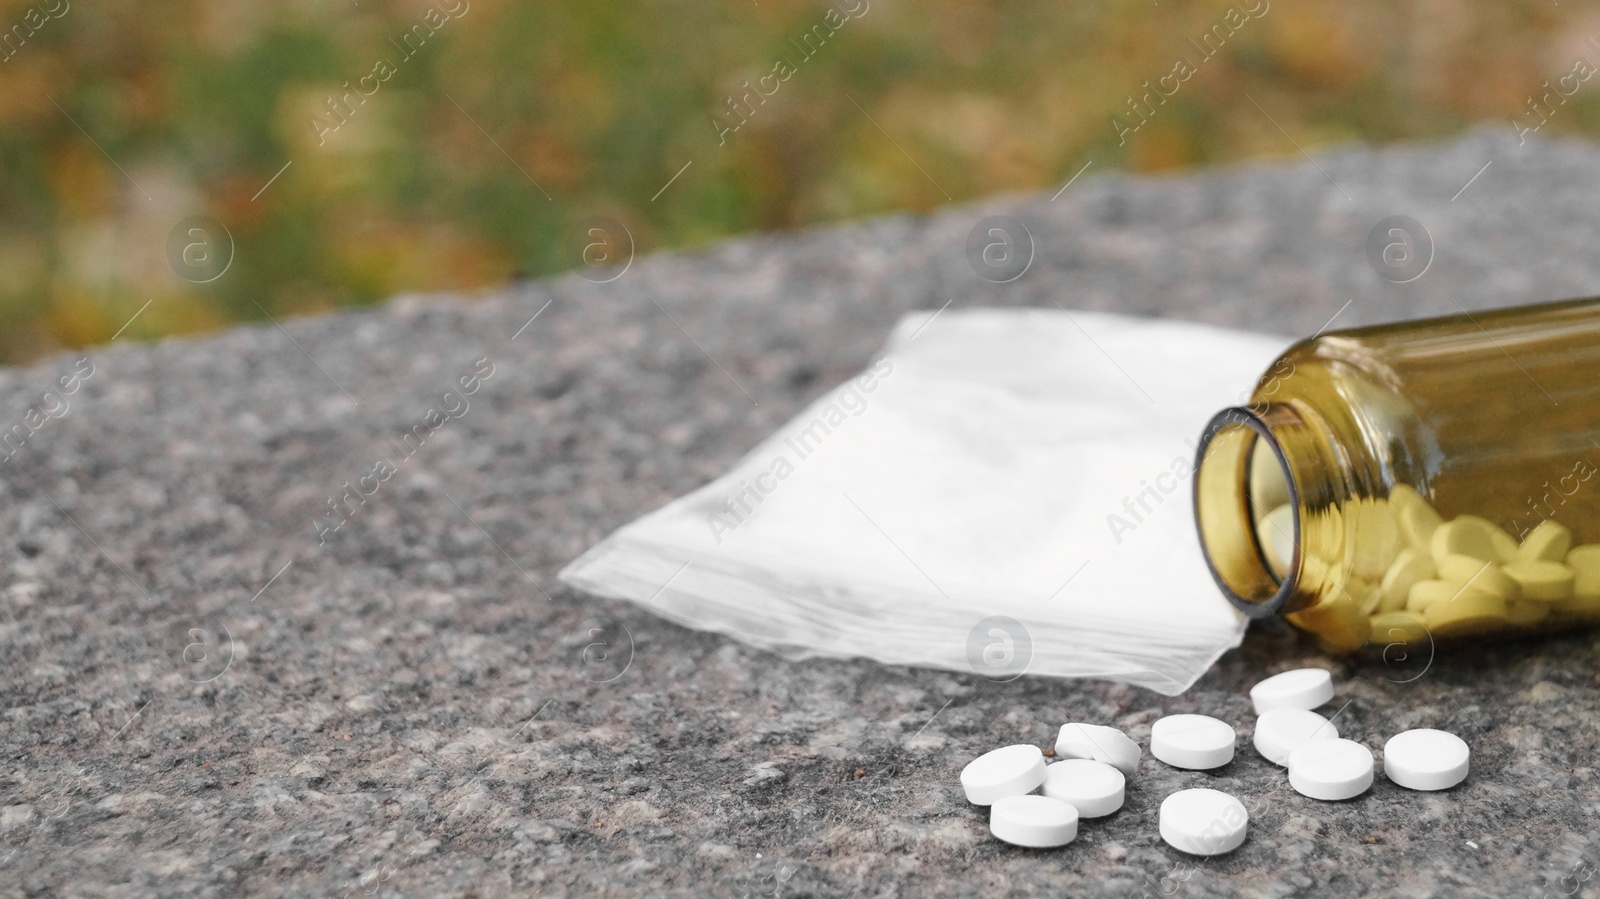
{"x": 1224, "y": 521}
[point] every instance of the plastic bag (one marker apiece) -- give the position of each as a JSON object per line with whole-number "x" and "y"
{"x": 1000, "y": 491}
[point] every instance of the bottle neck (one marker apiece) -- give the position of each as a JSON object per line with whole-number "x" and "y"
{"x": 1316, "y": 470}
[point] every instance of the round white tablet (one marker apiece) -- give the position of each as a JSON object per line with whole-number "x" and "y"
{"x": 1098, "y": 742}
{"x": 1425, "y": 759}
{"x": 1281, "y": 731}
{"x": 1037, "y": 822}
{"x": 1192, "y": 741}
{"x": 1203, "y": 822}
{"x": 1094, "y": 788}
{"x": 1302, "y": 688}
{"x": 1008, "y": 771}
{"x": 1331, "y": 769}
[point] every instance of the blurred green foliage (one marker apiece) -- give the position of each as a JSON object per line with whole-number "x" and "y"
{"x": 511, "y": 122}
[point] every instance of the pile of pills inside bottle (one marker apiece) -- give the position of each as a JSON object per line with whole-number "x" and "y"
{"x": 1407, "y": 574}
{"x": 1094, "y": 762}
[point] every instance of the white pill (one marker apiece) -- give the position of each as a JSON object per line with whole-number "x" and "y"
{"x": 1302, "y": 688}
{"x": 1008, "y": 771}
{"x": 1203, "y": 822}
{"x": 1101, "y": 743}
{"x": 1192, "y": 741}
{"x": 1282, "y": 731}
{"x": 1426, "y": 759}
{"x": 1331, "y": 769}
{"x": 1037, "y": 822}
{"x": 1094, "y": 788}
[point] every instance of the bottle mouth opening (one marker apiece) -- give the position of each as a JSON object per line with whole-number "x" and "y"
{"x": 1247, "y": 512}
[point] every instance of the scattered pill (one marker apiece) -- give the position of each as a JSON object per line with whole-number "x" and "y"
{"x": 1426, "y": 759}
{"x": 1281, "y": 731}
{"x": 1086, "y": 784}
{"x": 1197, "y": 742}
{"x": 1302, "y": 688}
{"x": 1101, "y": 743}
{"x": 1007, "y": 771}
{"x": 1331, "y": 769}
{"x": 1203, "y": 822}
{"x": 1037, "y": 822}
{"x": 1094, "y": 788}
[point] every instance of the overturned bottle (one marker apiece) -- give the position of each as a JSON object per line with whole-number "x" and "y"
{"x": 1413, "y": 481}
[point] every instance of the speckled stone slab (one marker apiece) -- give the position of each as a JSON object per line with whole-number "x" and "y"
{"x": 217, "y": 685}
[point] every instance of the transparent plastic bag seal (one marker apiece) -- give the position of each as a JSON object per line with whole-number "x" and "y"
{"x": 1001, "y": 492}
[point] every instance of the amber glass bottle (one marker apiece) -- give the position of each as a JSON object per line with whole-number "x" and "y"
{"x": 1415, "y": 480}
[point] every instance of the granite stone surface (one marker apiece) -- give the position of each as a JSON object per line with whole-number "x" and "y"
{"x": 210, "y": 691}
